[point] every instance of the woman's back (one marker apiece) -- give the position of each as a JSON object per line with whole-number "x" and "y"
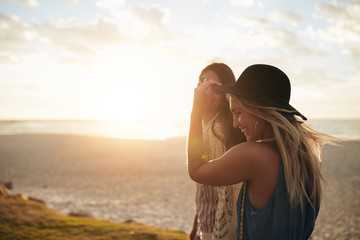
{"x": 278, "y": 219}
{"x": 261, "y": 186}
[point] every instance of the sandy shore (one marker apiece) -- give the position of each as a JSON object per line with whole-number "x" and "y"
{"x": 339, "y": 216}
{"x": 144, "y": 180}
{"x": 147, "y": 180}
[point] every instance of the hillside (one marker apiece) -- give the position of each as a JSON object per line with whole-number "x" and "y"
{"x": 24, "y": 219}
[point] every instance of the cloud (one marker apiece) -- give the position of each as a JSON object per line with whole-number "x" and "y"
{"x": 12, "y": 31}
{"x": 29, "y": 3}
{"x": 260, "y": 32}
{"x": 344, "y": 28}
{"x": 15, "y": 39}
{"x": 314, "y": 77}
{"x": 110, "y": 4}
{"x": 82, "y": 38}
{"x": 242, "y": 3}
{"x": 286, "y": 16}
{"x": 79, "y": 38}
{"x": 154, "y": 18}
{"x": 141, "y": 22}
{"x": 74, "y": 1}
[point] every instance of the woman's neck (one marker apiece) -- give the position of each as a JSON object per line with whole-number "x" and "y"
{"x": 268, "y": 134}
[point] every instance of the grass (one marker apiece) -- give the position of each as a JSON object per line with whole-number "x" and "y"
{"x": 24, "y": 219}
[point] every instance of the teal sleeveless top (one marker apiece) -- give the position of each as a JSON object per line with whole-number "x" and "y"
{"x": 278, "y": 219}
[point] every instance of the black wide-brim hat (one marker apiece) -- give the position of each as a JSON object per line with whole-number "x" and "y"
{"x": 263, "y": 83}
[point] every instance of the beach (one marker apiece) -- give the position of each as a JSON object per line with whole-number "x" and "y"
{"x": 146, "y": 180}
{"x": 339, "y": 216}
{"x": 143, "y": 180}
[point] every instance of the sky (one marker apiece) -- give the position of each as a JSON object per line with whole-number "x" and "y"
{"x": 140, "y": 59}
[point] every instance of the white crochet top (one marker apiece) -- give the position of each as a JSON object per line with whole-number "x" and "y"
{"x": 216, "y": 206}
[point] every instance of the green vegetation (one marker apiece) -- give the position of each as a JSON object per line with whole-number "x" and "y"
{"x": 24, "y": 219}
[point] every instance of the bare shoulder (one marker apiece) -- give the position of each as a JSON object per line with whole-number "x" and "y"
{"x": 260, "y": 155}
{"x": 255, "y": 149}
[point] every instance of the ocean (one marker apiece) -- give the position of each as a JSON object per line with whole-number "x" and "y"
{"x": 121, "y": 129}
{"x": 347, "y": 129}
{"x": 130, "y": 170}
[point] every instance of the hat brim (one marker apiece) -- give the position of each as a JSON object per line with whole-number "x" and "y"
{"x": 232, "y": 89}
{"x": 295, "y": 112}
{"x": 227, "y": 89}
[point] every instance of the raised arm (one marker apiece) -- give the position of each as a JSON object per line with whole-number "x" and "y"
{"x": 242, "y": 162}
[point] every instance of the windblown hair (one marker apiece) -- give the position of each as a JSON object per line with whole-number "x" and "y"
{"x": 300, "y": 149}
{"x": 231, "y": 136}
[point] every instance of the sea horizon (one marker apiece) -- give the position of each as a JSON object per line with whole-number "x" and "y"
{"x": 347, "y": 129}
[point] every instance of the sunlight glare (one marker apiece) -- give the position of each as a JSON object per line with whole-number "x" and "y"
{"x": 161, "y": 130}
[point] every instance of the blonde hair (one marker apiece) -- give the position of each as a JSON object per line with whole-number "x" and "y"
{"x": 299, "y": 147}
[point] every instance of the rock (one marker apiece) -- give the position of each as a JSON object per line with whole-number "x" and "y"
{"x": 37, "y": 200}
{"x": 132, "y": 221}
{"x": 129, "y": 221}
{"x": 79, "y": 214}
{"x": 4, "y": 191}
{"x": 8, "y": 184}
{"x": 18, "y": 195}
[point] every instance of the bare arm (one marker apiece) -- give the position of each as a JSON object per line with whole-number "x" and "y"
{"x": 242, "y": 162}
{"x": 236, "y": 165}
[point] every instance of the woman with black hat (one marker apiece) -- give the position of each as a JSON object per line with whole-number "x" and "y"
{"x": 279, "y": 164}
